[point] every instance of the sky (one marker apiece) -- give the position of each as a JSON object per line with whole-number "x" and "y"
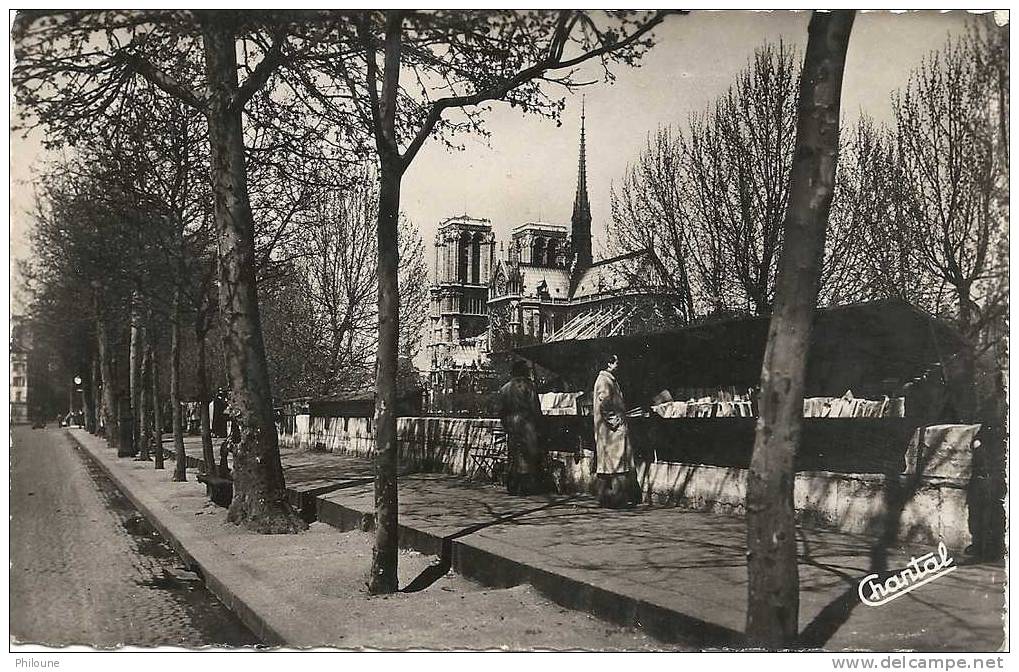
{"x": 527, "y": 169}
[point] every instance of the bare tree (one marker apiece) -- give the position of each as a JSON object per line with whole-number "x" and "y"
{"x": 948, "y": 137}
{"x": 341, "y": 272}
{"x": 738, "y": 160}
{"x": 343, "y": 281}
{"x": 650, "y": 213}
{"x": 987, "y": 45}
{"x": 945, "y": 138}
{"x": 773, "y": 581}
{"x": 868, "y": 252}
{"x": 327, "y": 300}
{"x": 709, "y": 200}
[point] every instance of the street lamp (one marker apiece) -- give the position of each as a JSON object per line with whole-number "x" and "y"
{"x": 79, "y": 388}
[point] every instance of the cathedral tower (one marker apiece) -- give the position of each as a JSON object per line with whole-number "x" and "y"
{"x": 464, "y": 253}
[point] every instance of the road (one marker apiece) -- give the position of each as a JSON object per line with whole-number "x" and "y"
{"x": 86, "y": 568}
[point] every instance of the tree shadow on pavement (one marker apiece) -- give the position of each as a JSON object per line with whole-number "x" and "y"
{"x": 900, "y": 489}
{"x": 437, "y": 570}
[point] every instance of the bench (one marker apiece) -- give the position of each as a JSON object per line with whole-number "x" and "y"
{"x": 219, "y": 489}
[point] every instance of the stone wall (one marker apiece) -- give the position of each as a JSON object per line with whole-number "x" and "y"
{"x": 925, "y": 504}
{"x": 434, "y": 444}
{"x": 924, "y": 511}
{"x": 334, "y": 435}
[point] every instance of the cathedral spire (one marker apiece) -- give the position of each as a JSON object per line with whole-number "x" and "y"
{"x": 581, "y": 220}
{"x": 581, "y": 199}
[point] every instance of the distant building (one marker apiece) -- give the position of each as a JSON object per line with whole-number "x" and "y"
{"x": 545, "y": 284}
{"x": 20, "y": 345}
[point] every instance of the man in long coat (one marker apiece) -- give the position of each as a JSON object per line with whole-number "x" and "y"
{"x": 520, "y": 413}
{"x": 617, "y": 475}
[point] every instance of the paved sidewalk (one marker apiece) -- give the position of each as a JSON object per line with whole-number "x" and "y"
{"x": 307, "y": 590}
{"x": 680, "y": 574}
{"x": 686, "y": 570}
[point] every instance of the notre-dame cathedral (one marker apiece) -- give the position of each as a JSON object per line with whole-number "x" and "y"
{"x": 546, "y": 286}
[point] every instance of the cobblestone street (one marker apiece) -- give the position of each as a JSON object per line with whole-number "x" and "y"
{"x": 86, "y": 568}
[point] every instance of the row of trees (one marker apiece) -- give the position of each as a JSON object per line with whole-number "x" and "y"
{"x": 711, "y": 198}
{"x": 285, "y": 95}
{"x": 124, "y": 268}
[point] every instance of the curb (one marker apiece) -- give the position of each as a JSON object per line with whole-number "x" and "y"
{"x": 200, "y": 555}
{"x": 499, "y": 570}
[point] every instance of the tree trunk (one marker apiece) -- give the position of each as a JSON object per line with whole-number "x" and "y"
{"x": 259, "y": 501}
{"x": 135, "y": 367}
{"x": 97, "y": 400}
{"x": 87, "y": 400}
{"x": 384, "y": 556}
{"x": 383, "y": 578}
{"x": 180, "y": 468}
{"x": 208, "y": 454}
{"x": 961, "y": 371}
{"x": 142, "y": 421}
{"x": 157, "y": 408}
{"x": 773, "y": 587}
{"x": 110, "y": 419}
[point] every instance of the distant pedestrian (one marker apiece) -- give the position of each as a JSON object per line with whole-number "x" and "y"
{"x": 520, "y": 413}
{"x": 617, "y": 475}
{"x": 218, "y": 415}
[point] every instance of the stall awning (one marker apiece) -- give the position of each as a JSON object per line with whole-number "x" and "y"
{"x": 866, "y": 347}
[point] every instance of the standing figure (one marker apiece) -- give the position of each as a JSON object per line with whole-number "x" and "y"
{"x": 617, "y": 475}
{"x": 520, "y": 412}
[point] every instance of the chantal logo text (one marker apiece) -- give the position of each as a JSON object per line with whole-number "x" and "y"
{"x": 921, "y": 570}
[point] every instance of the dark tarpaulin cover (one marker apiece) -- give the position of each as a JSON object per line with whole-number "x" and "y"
{"x": 870, "y": 348}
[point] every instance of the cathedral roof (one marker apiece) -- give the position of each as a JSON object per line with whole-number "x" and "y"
{"x": 530, "y": 278}
{"x": 557, "y": 280}
{"x": 637, "y": 271}
{"x": 644, "y": 314}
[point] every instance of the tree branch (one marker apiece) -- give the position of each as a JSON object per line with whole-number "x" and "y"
{"x": 260, "y": 75}
{"x": 551, "y": 62}
{"x": 371, "y": 66}
{"x": 164, "y": 82}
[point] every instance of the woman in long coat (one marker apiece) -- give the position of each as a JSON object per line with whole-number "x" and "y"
{"x": 617, "y": 475}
